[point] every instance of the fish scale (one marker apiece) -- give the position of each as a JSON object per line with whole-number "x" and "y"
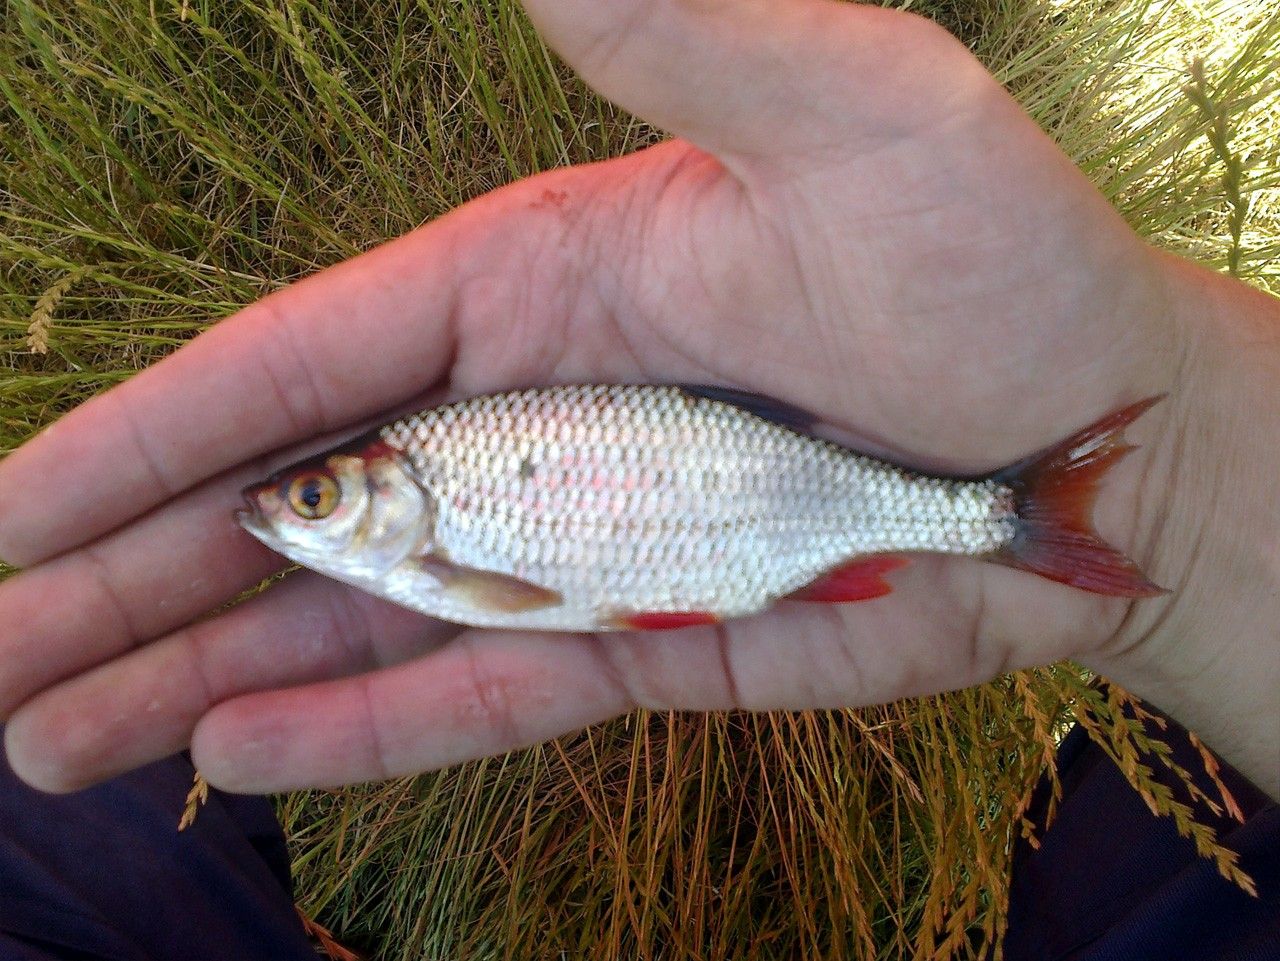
{"x": 666, "y": 498}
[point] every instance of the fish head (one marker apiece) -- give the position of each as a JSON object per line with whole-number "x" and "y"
{"x": 354, "y": 512}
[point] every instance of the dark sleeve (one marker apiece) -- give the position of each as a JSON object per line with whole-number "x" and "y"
{"x": 104, "y": 873}
{"x": 1112, "y": 881}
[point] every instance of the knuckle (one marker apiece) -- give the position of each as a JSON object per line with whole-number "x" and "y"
{"x": 379, "y": 752}
{"x": 492, "y": 699}
{"x": 112, "y": 599}
{"x": 291, "y": 376}
{"x": 199, "y": 643}
{"x": 162, "y": 477}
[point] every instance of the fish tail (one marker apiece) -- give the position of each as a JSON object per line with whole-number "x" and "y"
{"x": 1053, "y": 494}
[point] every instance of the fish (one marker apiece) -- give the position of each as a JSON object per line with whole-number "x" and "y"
{"x": 597, "y": 507}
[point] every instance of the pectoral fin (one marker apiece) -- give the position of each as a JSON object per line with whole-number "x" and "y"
{"x": 488, "y": 590}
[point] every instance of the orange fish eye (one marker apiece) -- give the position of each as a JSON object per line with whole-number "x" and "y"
{"x": 313, "y": 496}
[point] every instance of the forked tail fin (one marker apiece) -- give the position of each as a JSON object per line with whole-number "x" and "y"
{"x": 1053, "y": 494}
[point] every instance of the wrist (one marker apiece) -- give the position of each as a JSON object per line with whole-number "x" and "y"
{"x": 1209, "y": 529}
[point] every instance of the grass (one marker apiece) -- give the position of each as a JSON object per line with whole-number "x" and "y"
{"x": 163, "y": 162}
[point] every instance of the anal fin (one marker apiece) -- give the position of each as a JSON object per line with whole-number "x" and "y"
{"x": 663, "y": 620}
{"x": 860, "y": 579}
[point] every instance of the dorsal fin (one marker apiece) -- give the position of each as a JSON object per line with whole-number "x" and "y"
{"x": 768, "y": 408}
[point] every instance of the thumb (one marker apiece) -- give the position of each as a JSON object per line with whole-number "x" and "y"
{"x": 755, "y": 78}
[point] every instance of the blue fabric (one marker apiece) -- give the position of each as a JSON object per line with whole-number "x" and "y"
{"x": 104, "y": 873}
{"x": 1111, "y": 882}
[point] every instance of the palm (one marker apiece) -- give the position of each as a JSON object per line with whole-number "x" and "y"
{"x": 917, "y": 290}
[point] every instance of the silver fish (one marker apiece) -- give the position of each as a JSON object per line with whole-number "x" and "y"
{"x": 596, "y": 508}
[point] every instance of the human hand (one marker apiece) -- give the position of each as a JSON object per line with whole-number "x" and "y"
{"x": 860, "y": 221}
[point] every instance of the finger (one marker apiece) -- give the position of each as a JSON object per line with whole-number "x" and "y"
{"x": 175, "y": 564}
{"x": 348, "y": 342}
{"x": 144, "y": 706}
{"x": 746, "y": 78}
{"x": 483, "y": 694}
{"x": 949, "y": 626}
{"x": 102, "y": 600}
{"x": 492, "y": 692}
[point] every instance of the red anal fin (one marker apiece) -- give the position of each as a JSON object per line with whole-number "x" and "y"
{"x": 858, "y": 580}
{"x": 664, "y": 620}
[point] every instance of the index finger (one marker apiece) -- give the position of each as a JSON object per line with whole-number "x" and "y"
{"x": 341, "y": 345}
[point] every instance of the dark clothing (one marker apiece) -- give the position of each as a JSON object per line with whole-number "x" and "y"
{"x": 1111, "y": 882}
{"x": 105, "y": 874}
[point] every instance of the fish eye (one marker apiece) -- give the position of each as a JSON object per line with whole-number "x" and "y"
{"x": 313, "y": 496}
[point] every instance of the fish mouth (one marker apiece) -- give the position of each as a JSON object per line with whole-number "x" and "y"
{"x": 251, "y": 519}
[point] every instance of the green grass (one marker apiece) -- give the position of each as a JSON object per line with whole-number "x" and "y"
{"x": 162, "y": 163}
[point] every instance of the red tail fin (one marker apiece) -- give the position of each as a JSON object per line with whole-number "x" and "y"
{"x": 1053, "y": 495}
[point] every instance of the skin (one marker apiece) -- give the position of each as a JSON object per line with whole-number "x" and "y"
{"x": 855, "y": 218}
